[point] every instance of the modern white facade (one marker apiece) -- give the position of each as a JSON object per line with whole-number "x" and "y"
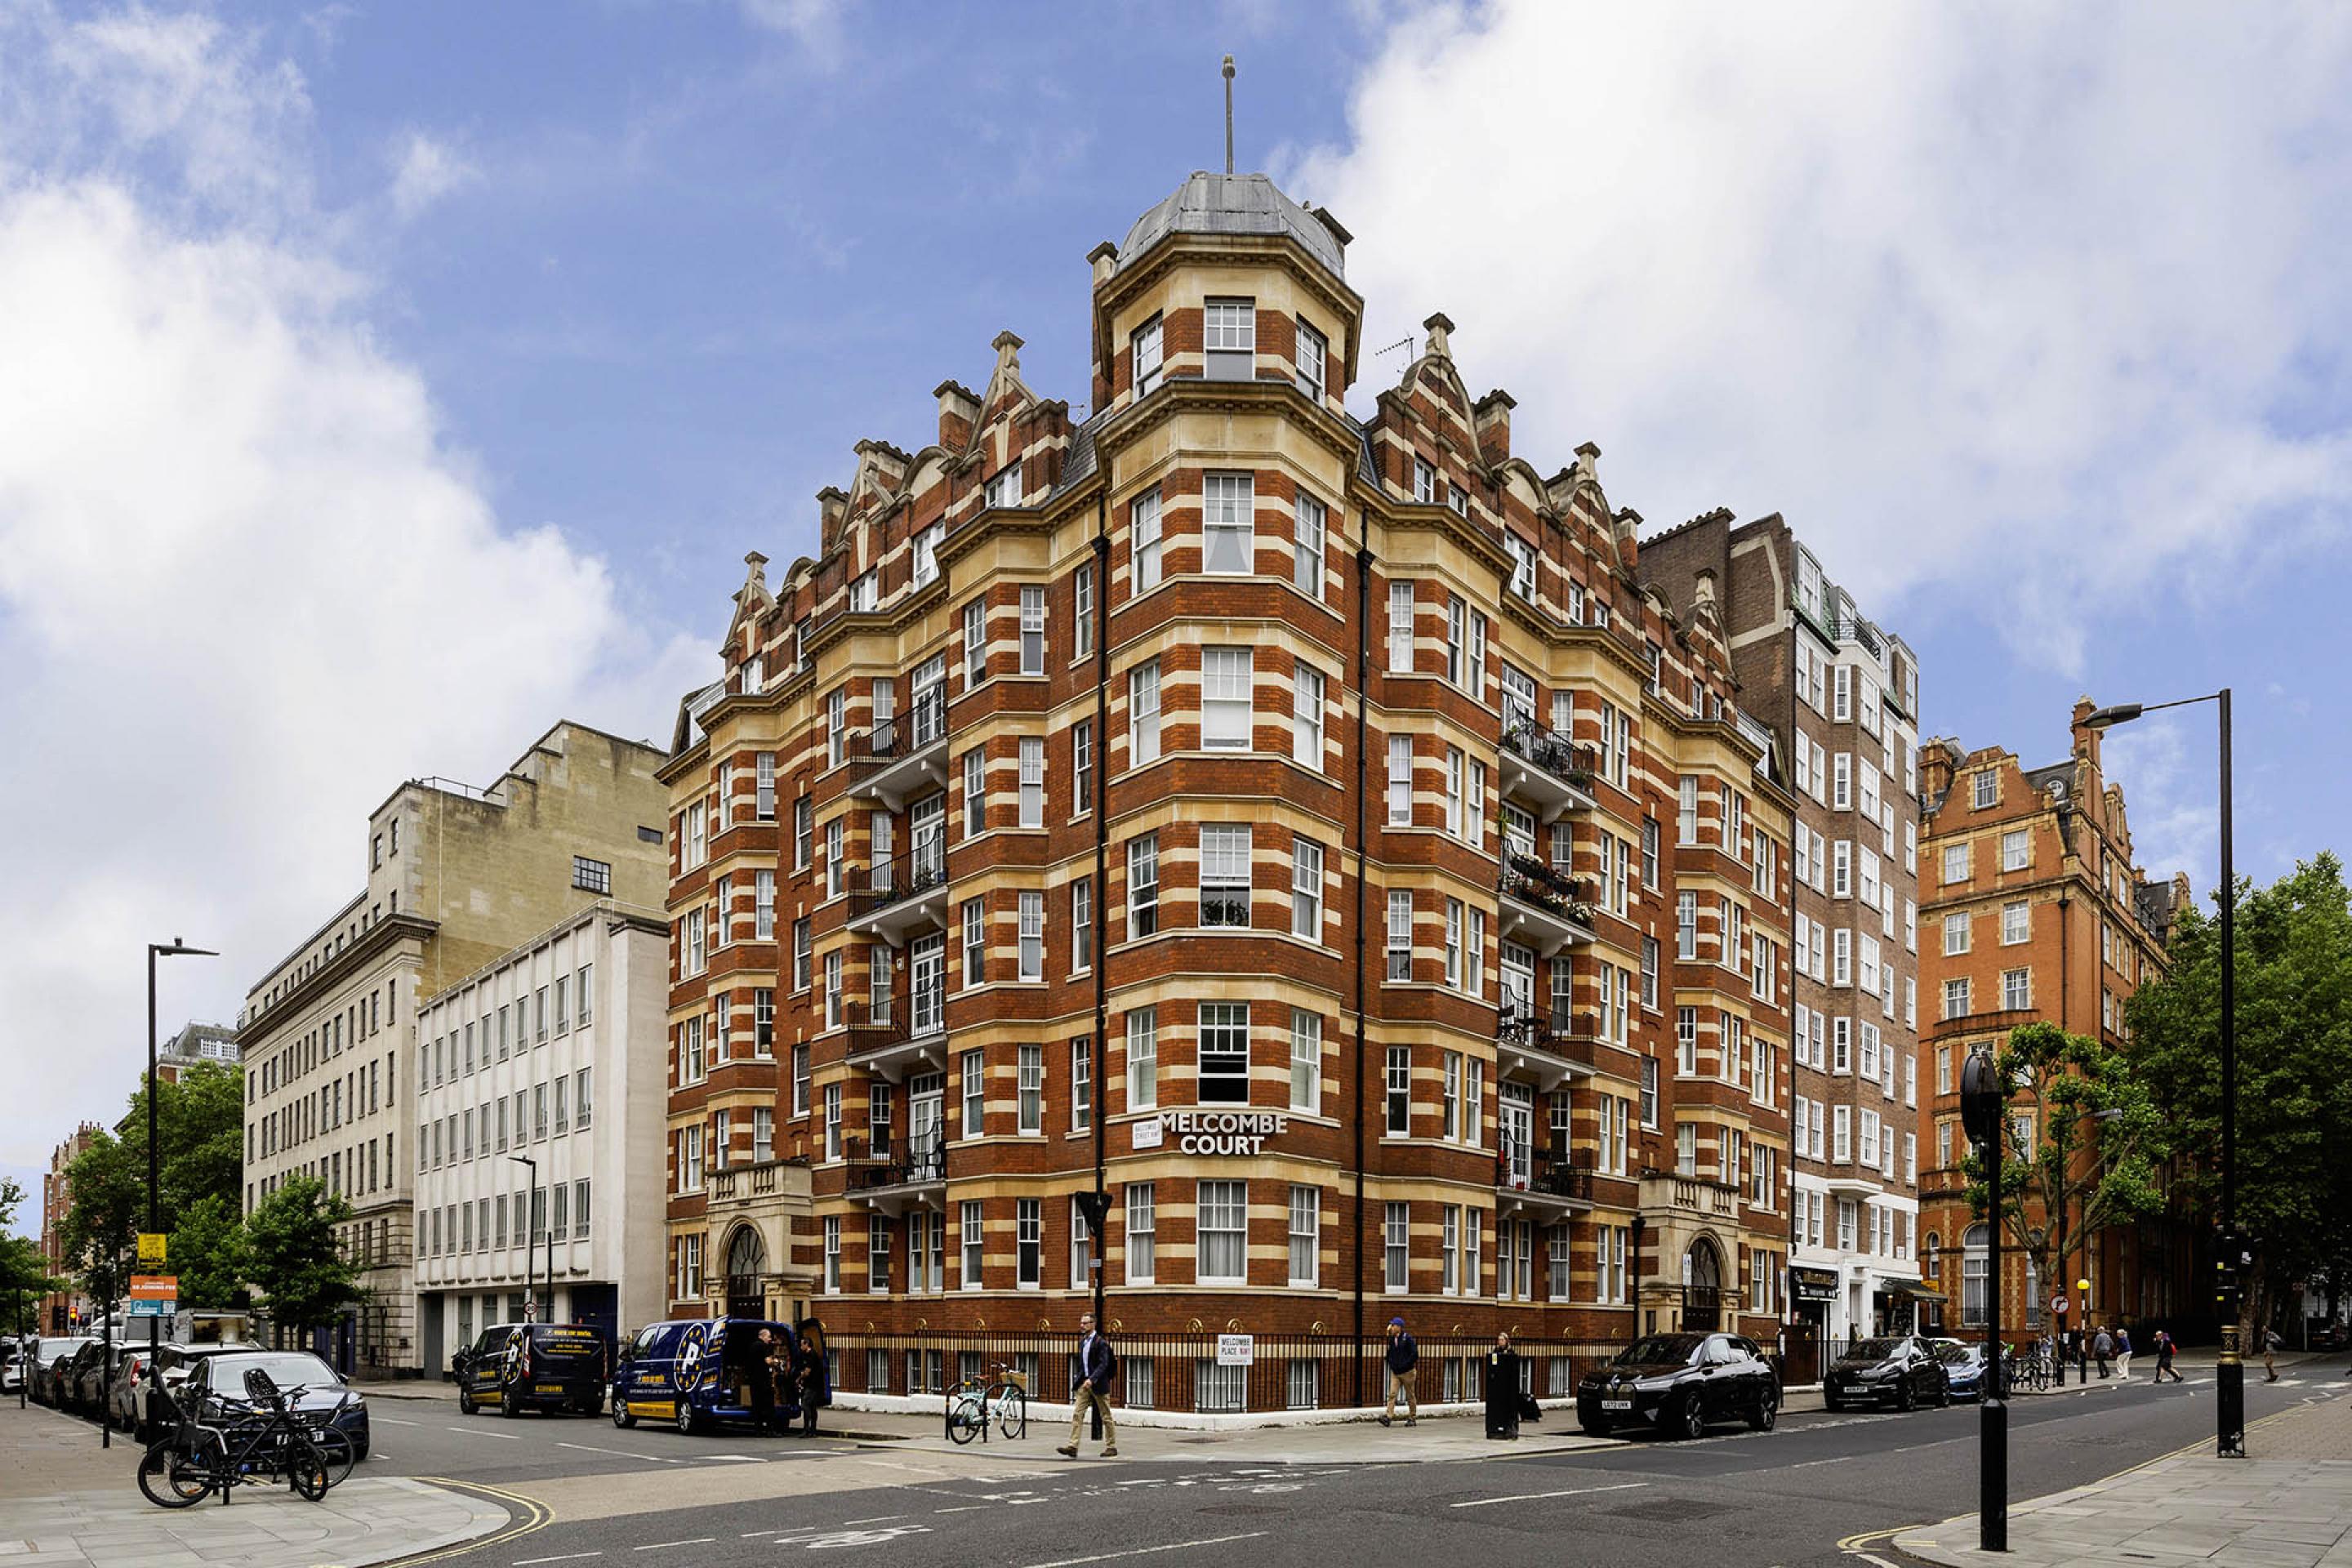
{"x": 553, "y": 1054}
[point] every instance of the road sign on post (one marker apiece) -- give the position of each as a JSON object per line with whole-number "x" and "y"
{"x": 155, "y": 1295}
{"x": 2058, "y": 1305}
{"x": 151, "y": 1250}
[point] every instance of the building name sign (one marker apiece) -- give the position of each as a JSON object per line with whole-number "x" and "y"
{"x": 1212, "y": 1131}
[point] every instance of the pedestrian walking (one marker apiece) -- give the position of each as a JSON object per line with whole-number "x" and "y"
{"x": 1403, "y": 1355}
{"x": 2102, "y": 1346}
{"x": 1092, "y": 1371}
{"x": 2271, "y": 1344}
{"x": 760, "y": 1381}
{"x": 1502, "y": 1388}
{"x": 2123, "y": 1353}
{"x": 2164, "y": 1349}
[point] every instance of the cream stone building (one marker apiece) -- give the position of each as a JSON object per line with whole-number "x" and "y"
{"x": 456, "y": 878}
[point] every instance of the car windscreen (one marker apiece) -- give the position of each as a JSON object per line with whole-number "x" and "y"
{"x": 52, "y": 1349}
{"x": 1957, "y": 1355}
{"x": 1660, "y": 1350}
{"x": 557, "y": 1343}
{"x": 1873, "y": 1349}
{"x": 286, "y": 1369}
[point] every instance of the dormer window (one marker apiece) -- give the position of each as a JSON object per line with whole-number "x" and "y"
{"x": 1147, "y": 352}
{"x": 1313, "y": 352}
{"x": 1004, "y": 490}
{"x": 1229, "y": 339}
{"x": 864, "y": 593}
{"x": 926, "y": 556}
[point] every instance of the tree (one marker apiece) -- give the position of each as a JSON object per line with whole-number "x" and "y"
{"x": 210, "y": 1255}
{"x": 295, "y": 1260}
{"x": 25, "y": 1276}
{"x": 2084, "y": 1141}
{"x": 98, "y": 1231}
{"x": 2294, "y": 977}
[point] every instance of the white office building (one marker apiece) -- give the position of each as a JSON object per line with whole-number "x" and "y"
{"x": 541, "y": 1086}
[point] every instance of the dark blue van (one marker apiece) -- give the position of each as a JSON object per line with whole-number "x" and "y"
{"x": 698, "y": 1371}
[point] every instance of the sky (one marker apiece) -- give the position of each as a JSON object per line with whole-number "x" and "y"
{"x": 381, "y": 382}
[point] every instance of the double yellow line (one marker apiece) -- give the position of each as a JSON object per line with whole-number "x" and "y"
{"x": 532, "y": 1515}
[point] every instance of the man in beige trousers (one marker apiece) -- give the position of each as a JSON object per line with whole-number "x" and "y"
{"x": 1092, "y": 1371}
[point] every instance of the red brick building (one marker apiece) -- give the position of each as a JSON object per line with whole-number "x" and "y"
{"x": 60, "y": 1311}
{"x": 2032, "y": 907}
{"x": 1280, "y": 819}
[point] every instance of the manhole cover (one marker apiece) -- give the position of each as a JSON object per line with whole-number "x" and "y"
{"x": 1669, "y": 1510}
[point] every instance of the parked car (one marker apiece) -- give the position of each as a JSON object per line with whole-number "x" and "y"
{"x": 1677, "y": 1383}
{"x": 1901, "y": 1371}
{"x": 1964, "y": 1370}
{"x": 75, "y": 1377}
{"x": 697, "y": 1371}
{"x": 48, "y": 1358}
{"x": 215, "y": 1386}
{"x": 131, "y": 1402}
{"x": 517, "y": 1367}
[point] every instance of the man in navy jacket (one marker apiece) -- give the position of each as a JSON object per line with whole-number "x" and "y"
{"x": 1092, "y": 1371}
{"x": 1403, "y": 1356}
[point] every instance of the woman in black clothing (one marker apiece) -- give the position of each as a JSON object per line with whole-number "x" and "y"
{"x": 1502, "y": 1388}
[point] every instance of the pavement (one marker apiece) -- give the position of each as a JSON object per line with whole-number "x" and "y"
{"x": 2287, "y": 1505}
{"x": 64, "y": 1501}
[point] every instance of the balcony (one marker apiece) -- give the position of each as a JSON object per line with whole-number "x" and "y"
{"x": 1527, "y": 1182}
{"x": 1545, "y": 769}
{"x": 905, "y": 757}
{"x": 1541, "y": 907}
{"x": 1690, "y": 1195}
{"x": 911, "y": 1172}
{"x": 901, "y": 897}
{"x": 892, "y": 1045}
{"x": 1540, "y": 1048}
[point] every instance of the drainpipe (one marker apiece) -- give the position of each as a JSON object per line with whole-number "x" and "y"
{"x": 1102, "y": 886}
{"x": 1363, "y": 742}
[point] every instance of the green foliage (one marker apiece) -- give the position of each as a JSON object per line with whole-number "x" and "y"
{"x": 24, "y": 1272}
{"x": 2086, "y": 1143}
{"x": 293, "y": 1257}
{"x": 2294, "y": 1124}
{"x": 209, "y": 1254}
{"x": 99, "y": 1233}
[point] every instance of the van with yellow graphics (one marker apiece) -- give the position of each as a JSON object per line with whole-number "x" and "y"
{"x": 515, "y": 1367}
{"x": 705, "y": 1372}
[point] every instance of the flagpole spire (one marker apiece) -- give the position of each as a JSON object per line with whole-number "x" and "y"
{"x": 1229, "y": 114}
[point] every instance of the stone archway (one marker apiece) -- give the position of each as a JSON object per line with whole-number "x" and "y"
{"x": 1702, "y": 1286}
{"x": 746, "y": 1257}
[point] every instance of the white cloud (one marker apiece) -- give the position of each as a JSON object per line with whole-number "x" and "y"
{"x": 247, "y": 583}
{"x": 2165, "y": 765}
{"x": 425, "y": 170}
{"x": 2026, "y": 301}
{"x": 814, "y": 25}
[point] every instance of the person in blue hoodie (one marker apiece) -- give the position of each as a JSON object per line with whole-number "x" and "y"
{"x": 1403, "y": 1356}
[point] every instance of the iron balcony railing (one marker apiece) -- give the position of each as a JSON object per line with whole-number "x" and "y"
{"x": 1523, "y": 1167}
{"x": 892, "y": 881}
{"x": 908, "y": 1161}
{"x": 1537, "y": 882}
{"x": 1552, "y": 751}
{"x": 1540, "y": 1028}
{"x": 922, "y": 725}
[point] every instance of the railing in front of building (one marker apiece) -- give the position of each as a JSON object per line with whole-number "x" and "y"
{"x": 878, "y": 1024}
{"x": 908, "y": 1161}
{"x": 1535, "y": 881}
{"x": 894, "y": 880}
{"x": 1182, "y": 1371}
{"x": 1524, "y": 1167}
{"x": 1573, "y": 765}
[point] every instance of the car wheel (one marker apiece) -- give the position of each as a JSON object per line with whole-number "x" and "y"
{"x": 1768, "y": 1410}
{"x": 466, "y": 1406}
{"x": 1593, "y": 1427}
{"x": 687, "y": 1424}
{"x": 1943, "y": 1394}
{"x": 1906, "y": 1396}
{"x": 1690, "y": 1418}
{"x": 511, "y": 1404}
{"x": 622, "y": 1416}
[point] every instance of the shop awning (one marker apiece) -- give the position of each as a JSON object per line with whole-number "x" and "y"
{"x": 1911, "y": 1288}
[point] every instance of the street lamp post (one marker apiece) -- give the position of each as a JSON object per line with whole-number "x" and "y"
{"x": 1984, "y": 1116}
{"x": 175, "y": 948}
{"x": 2230, "y": 1375}
{"x": 530, "y": 1250}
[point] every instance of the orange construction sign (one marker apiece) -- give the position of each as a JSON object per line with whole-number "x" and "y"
{"x": 154, "y": 1287}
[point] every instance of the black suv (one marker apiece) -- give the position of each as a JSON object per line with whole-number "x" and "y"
{"x": 1676, "y": 1383}
{"x": 1903, "y": 1372}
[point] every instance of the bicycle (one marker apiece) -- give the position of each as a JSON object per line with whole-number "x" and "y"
{"x": 265, "y": 1441}
{"x": 1002, "y": 1398}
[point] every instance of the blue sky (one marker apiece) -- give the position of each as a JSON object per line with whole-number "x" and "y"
{"x": 388, "y": 379}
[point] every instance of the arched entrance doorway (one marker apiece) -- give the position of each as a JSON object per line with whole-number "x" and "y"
{"x": 1702, "y": 1287}
{"x": 746, "y": 1254}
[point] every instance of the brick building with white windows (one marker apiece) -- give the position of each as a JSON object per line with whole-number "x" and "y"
{"x": 2033, "y": 909}
{"x": 1277, "y": 818}
{"x": 1841, "y": 696}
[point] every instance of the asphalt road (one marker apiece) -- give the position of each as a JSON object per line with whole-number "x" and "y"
{"x": 1788, "y": 1497}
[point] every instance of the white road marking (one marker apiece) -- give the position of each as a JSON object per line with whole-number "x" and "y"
{"x": 561, "y": 1557}
{"x": 1537, "y": 1497}
{"x": 624, "y": 1453}
{"x": 735, "y": 1458}
{"x": 664, "y": 1545}
{"x": 877, "y": 1519}
{"x": 478, "y": 1432}
{"x": 1147, "y": 1551}
{"x": 396, "y": 1421}
{"x": 968, "y": 1508}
